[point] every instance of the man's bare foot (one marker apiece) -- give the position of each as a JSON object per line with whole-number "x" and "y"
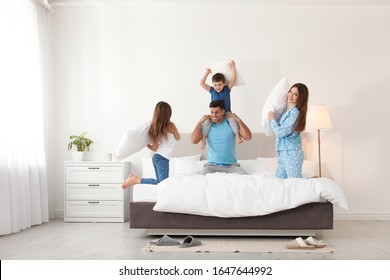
{"x": 130, "y": 181}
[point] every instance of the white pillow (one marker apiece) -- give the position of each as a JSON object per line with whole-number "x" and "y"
{"x": 193, "y": 165}
{"x": 134, "y": 140}
{"x": 309, "y": 168}
{"x": 275, "y": 102}
{"x": 187, "y": 167}
{"x": 223, "y": 67}
{"x": 177, "y": 165}
{"x": 268, "y": 165}
{"x": 184, "y": 165}
{"x": 148, "y": 168}
{"x": 259, "y": 165}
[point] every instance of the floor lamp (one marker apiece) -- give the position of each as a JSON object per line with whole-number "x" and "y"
{"x": 318, "y": 119}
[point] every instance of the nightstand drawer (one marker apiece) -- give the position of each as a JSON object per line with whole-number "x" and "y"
{"x": 94, "y": 192}
{"x": 94, "y": 174}
{"x": 94, "y": 209}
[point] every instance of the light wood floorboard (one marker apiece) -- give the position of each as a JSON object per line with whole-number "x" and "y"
{"x": 56, "y": 240}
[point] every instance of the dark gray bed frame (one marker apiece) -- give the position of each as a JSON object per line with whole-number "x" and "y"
{"x": 304, "y": 220}
{"x": 301, "y": 221}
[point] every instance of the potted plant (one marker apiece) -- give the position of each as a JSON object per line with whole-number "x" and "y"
{"x": 82, "y": 144}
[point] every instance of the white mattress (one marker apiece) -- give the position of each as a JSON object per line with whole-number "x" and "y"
{"x": 144, "y": 193}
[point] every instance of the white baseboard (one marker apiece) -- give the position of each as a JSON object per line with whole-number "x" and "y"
{"x": 362, "y": 216}
{"x": 59, "y": 214}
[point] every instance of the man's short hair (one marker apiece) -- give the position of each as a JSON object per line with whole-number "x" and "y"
{"x": 218, "y": 77}
{"x": 217, "y": 103}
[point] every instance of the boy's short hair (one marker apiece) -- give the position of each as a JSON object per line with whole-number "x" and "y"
{"x": 217, "y": 103}
{"x": 218, "y": 77}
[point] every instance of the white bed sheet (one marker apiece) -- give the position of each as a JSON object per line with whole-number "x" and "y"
{"x": 233, "y": 195}
{"x": 144, "y": 193}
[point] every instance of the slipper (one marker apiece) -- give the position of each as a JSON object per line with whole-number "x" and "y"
{"x": 165, "y": 241}
{"x": 316, "y": 243}
{"x": 298, "y": 243}
{"x": 190, "y": 241}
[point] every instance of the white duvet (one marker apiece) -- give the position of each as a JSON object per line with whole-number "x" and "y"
{"x": 233, "y": 195}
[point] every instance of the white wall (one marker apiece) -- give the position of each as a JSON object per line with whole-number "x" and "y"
{"x": 112, "y": 63}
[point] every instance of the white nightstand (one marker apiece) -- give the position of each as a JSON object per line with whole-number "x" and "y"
{"x": 93, "y": 191}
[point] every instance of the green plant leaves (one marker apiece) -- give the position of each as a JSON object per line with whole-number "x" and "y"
{"x": 81, "y": 142}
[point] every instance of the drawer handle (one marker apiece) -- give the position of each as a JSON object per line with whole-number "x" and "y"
{"x": 93, "y": 167}
{"x": 91, "y": 185}
{"x": 93, "y": 202}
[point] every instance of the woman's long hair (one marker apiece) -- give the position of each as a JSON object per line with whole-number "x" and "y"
{"x": 161, "y": 119}
{"x": 303, "y": 97}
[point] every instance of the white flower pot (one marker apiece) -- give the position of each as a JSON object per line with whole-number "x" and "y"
{"x": 78, "y": 156}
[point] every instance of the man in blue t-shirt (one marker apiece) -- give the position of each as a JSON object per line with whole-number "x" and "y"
{"x": 220, "y": 91}
{"x": 221, "y": 140}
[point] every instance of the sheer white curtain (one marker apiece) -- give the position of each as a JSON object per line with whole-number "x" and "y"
{"x": 24, "y": 81}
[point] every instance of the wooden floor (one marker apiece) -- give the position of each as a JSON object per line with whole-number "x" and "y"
{"x": 56, "y": 240}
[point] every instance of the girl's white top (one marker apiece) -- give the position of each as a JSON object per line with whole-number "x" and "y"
{"x": 165, "y": 148}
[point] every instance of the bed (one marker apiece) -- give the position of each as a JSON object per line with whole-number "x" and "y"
{"x": 299, "y": 219}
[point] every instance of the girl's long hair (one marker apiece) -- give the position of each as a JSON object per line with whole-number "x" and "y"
{"x": 303, "y": 97}
{"x": 161, "y": 119}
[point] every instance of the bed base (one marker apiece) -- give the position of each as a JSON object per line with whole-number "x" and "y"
{"x": 300, "y": 221}
{"x": 230, "y": 232}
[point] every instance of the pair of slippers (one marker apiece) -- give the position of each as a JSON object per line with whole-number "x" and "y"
{"x": 166, "y": 240}
{"x": 308, "y": 244}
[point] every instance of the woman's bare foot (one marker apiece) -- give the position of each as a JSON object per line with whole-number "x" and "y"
{"x": 130, "y": 181}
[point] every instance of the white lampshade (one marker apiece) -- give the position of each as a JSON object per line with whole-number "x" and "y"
{"x": 318, "y": 118}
